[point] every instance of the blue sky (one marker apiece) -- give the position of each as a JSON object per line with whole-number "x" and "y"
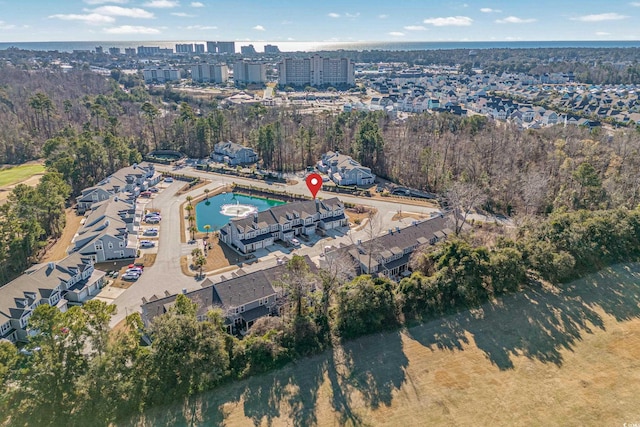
{"x": 320, "y": 20}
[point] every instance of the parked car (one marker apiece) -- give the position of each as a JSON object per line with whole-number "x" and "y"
{"x": 145, "y": 194}
{"x": 295, "y": 242}
{"x": 152, "y": 220}
{"x": 168, "y": 179}
{"x": 151, "y": 232}
{"x": 154, "y": 189}
{"x": 130, "y": 276}
{"x": 115, "y": 274}
{"x": 146, "y": 244}
{"x": 135, "y": 270}
{"x": 136, "y": 265}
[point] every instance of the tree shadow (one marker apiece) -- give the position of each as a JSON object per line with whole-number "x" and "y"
{"x": 540, "y": 321}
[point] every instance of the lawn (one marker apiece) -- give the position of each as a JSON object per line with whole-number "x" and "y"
{"x": 16, "y": 174}
{"x": 565, "y": 355}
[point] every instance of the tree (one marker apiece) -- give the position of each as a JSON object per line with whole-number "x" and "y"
{"x": 207, "y": 228}
{"x": 200, "y": 262}
{"x": 298, "y": 280}
{"x": 151, "y": 112}
{"x": 463, "y": 198}
{"x": 193, "y": 230}
{"x": 206, "y": 193}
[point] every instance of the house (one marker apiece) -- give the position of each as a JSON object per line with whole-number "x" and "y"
{"x": 343, "y": 170}
{"x": 390, "y": 253}
{"x": 243, "y": 299}
{"x": 70, "y": 281}
{"x": 283, "y": 222}
{"x": 233, "y": 154}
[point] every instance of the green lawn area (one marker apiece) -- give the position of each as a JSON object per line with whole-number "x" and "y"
{"x": 19, "y": 173}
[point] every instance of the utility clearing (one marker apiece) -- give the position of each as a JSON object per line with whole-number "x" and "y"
{"x": 550, "y": 355}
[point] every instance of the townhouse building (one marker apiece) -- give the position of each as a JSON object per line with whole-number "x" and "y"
{"x": 233, "y": 154}
{"x": 283, "y": 223}
{"x": 343, "y": 170}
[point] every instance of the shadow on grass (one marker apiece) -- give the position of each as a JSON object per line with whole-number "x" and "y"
{"x": 538, "y": 323}
{"x": 541, "y": 321}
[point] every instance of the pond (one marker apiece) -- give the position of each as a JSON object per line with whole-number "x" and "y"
{"x": 218, "y": 210}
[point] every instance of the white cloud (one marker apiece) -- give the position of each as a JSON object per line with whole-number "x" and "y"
{"x": 635, "y": 4}
{"x": 129, "y": 12}
{"x": 105, "y": 1}
{"x": 515, "y": 20}
{"x": 415, "y": 28}
{"x": 602, "y": 33}
{"x": 182, "y": 14}
{"x": 383, "y": 16}
{"x": 197, "y": 4}
{"x": 352, "y": 15}
{"x": 131, "y": 29}
{"x": 489, "y": 10}
{"x": 258, "y": 28}
{"x": 201, "y": 27}
{"x": 89, "y": 18}
{"x": 600, "y": 17}
{"x": 455, "y": 21}
{"x": 333, "y": 15}
{"x": 5, "y": 26}
{"x": 162, "y": 4}
{"x": 396, "y": 34}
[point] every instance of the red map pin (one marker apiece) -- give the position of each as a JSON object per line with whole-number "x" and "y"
{"x": 314, "y": 183}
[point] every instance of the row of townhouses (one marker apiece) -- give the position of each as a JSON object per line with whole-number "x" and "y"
{"x": 390, "y": 253}
{"x": 106, "y": 234}
{"x": 283, "y": 222}
{"x": 243, "y": 298}
{"x": 343, "y": 170}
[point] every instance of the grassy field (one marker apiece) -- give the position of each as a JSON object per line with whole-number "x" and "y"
{"x": 16, "y": 174}
{"x": 548, "y": 356}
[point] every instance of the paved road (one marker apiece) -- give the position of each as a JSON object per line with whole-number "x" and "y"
{"x": 166, "y": 275}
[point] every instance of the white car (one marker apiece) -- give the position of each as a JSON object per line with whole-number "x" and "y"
{"x": 130, "y": 276}
{"x": 146, "y": 244}
{"x": 168, "y": 179}
{"x": 152, "y": 220}
{"x": 151, "y": 232}
{"x": 135, "y": 270}
{"x": 295, "y": 242}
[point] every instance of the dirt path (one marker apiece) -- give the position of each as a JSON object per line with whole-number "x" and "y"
{"x": 565, "y": 355}
{"x": 59, "y": 249}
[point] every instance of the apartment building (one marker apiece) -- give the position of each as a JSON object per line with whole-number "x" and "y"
{"x": 228, "y": 48}
{"x": 316, "y": 71}
{"x": 209, "y": 73}
{"x": 184, "y": 48}
{"x": 248, "y": 72}
{"x": 160, "y": 75}
{"x": 343, "y": 170}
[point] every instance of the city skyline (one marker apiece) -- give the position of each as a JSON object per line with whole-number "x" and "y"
{"x": 247, "y": 21}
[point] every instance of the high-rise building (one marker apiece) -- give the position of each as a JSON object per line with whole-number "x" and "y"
{"x": 114, "y": 51}
{"x": 184, "y": 48}
{"x": 199, "y": 48}
{"x": 130, "y": 51}
{"x": 316, "y": 71}
{"x": 99, "y": 50}
{"x": 211, "y": 73}
{"x": 148, "y": 50}
{"x": 221, "y": 47}
{"x": 246, "y": 72}
{"x": 160, "y": 75}
{"x": 227, "y": 47}
{"x": 269, "y": 48}
{"x": 248, "y": 50}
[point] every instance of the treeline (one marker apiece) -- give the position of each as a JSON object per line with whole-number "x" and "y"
{"x": 82, "y": 373}
{"x": 30, "y": 217}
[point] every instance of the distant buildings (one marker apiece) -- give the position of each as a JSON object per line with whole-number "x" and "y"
{"x": 343, "y": 170}
{"x": 316, "y": 71}
{"x": 130, "y": 51}
{"x": 247, "y": 72}
{"x": 209, "y": 73}
{"x": 153, "y": 50}
{"x": 99, "y": 50}
{"x": 271, "y": 49}
{"x": 160, "y": 75}
{"x": 228, "y": 48}
{"x": 184, "y": 48}
{"x": 115, "y": 51}
{"x": 248, "y": 50}
{"x": 198, "y": 48}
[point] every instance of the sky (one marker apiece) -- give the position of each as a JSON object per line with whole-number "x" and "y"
{"x": 318, "y": 21}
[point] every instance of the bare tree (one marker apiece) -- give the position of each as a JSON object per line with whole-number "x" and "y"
{"x": 534, "y": 191}
{"x": 462, "y": 199}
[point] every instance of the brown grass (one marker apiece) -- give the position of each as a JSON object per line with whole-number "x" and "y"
{"x": 359, "y": 214}
{"x": 186, "y": 189}
{"x": 564, "y": 355}
{"x": 59, "y": 249}
{"x": 404, "y": 215}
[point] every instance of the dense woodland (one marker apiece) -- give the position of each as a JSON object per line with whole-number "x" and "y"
{"x": 574, "y": 192}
